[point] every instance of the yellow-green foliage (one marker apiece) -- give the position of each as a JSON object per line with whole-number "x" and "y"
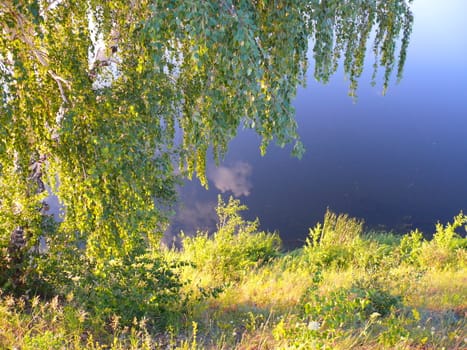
{"x": 333, "y": 243}
{"x": 337, "y": 230}
{"x": 364, "y": 291}
{"x": 447, "y": 248}
{"x": 233, "y": 249}
{"x": 411, "y": 246}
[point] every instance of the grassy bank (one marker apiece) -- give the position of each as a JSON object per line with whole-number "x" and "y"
{"x": 344, "y": 289}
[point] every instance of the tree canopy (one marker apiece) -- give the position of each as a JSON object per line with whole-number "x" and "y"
{"x": 108, "y": 103}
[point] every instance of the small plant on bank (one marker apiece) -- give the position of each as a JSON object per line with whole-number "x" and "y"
{"x": 410, "y": 247}
{"x": 336, "y": 230}
{"x": 234, "y": 248}
{"x": 447, "y": 248}
{"x": 333, "y": 242}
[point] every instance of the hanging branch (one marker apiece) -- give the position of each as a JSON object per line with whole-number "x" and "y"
{"x": 23, "y": 31}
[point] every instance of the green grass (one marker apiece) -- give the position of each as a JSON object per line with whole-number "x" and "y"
{"x": 344, "y": 289}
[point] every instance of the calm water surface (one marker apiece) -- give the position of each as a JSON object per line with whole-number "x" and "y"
{"x": 399, "y": 161}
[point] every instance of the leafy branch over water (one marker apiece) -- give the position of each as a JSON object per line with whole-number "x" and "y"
{"x": 109, "y": 96}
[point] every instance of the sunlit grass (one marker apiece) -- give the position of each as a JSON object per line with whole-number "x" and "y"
{"x": 276, "y": 286}
{"x": 366, "y": 292}
{"x": 440, "y": 291}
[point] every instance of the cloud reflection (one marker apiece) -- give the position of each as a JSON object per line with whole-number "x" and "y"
{"x": 189, "y": 218}
{"x": 234, "y": 178}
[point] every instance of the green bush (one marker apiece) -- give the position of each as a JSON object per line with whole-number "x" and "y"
{"x": 136, "y": 286}
{"x": 374, "y": 296}
{"x": 234, "y": 248}
{"x": 337, "y": 230}
{"x": 350, "y": 307}
{"x": 410, "y": 247}
{"x": 335, "y": 257}
{"x": 332, "y": 243}
{"x": 139, "y": 287}
{"x": 371, "y": 255}
{"x": 447, "y": 248}
{"x": 446, "y": 236}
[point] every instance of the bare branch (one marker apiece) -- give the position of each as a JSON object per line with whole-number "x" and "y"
{"x": 59, "y": 80}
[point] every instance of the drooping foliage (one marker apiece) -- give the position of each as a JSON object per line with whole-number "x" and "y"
{"x": 105, "y": 103}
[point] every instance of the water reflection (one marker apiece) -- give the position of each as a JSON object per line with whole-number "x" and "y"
{"x": 233, "y": 178}
{"x": 192, "y": 215}
{"x": 398, "y": 161}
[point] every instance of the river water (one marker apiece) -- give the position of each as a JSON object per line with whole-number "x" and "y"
{"x": 398, "y": 161}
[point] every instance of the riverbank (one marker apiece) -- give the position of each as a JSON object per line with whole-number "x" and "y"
{"x": 344, "y": 289}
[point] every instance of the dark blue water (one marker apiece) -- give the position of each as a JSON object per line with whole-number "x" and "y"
{"x": 398, "y": 161}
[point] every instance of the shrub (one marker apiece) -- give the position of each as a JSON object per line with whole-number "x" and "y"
{"x": 410, "y": 247}
{"x": 332, "y": 243}
{"x": 336, "y": 230}
{"x": 139, "y": 287}
{"x": 135, "y": 286}
{"x": 371, "y": 255}
{"x": 350, "y": 307}
{"x": 336, "y": 257}
{"x": 446, "y": 247}
{"x": 374, "y": 296}
{"x": 234, "y": 248}
{"x": 446, "y": 236}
